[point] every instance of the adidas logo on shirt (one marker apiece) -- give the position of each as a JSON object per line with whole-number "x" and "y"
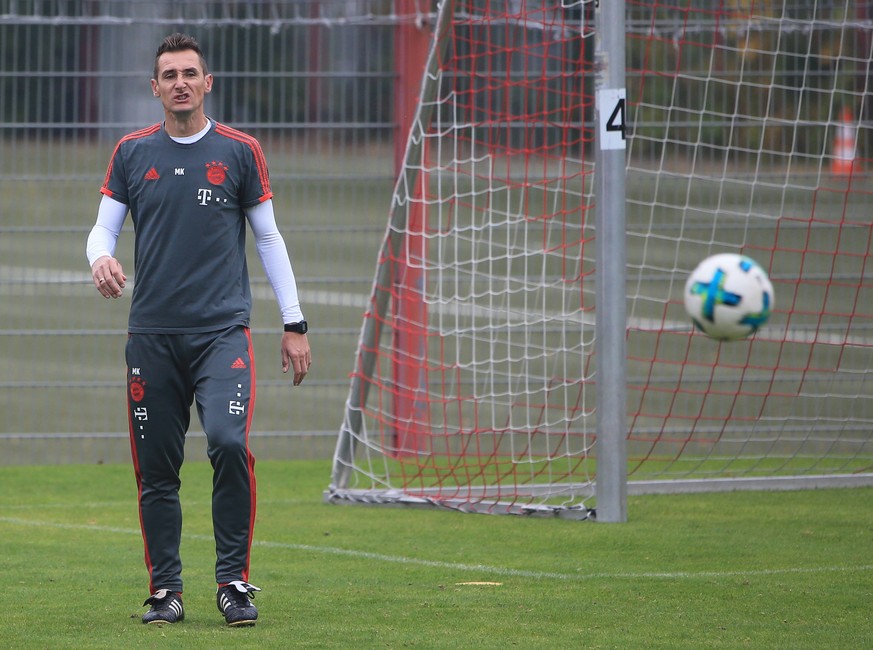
{"x": 152, "y": 175}
{"x": 239, "y": 364}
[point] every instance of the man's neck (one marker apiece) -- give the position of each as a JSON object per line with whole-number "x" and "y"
{"x": 181, "y": 126}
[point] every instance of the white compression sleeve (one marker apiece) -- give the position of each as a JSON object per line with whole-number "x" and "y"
{"x": 274, "y": 256}
{"x": 104, "y": 234}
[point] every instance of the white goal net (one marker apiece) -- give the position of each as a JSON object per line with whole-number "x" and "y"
{"x": 474, "y": 384}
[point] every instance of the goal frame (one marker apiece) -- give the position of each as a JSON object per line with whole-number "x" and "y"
{"x": 611, "y": 487}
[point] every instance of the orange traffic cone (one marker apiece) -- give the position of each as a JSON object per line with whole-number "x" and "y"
{"x": 843, "y": 157}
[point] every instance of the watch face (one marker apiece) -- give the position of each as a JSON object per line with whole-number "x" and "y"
{"x": 298, "y": 328}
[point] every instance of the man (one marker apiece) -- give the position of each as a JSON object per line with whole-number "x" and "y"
{"x": 190, "y": 184}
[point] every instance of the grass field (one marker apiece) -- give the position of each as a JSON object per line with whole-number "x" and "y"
{"x": 744, "y": 570}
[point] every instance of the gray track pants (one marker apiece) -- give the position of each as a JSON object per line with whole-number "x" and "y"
{"x": 166, "y": 374}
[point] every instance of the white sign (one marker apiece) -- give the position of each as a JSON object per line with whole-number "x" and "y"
{"x": 613, "y": 125}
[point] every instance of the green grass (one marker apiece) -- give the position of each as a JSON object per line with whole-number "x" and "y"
{"x": 742, "y": 570}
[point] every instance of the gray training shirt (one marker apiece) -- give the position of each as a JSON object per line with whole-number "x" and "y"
{"x": 187, "y": 203}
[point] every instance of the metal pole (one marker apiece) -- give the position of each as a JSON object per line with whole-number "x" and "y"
{"x": 610, "y": 281}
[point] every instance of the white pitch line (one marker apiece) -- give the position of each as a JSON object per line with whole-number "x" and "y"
{"x": 470, "y": 568}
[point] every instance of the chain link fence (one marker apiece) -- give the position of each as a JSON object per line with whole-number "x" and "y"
{"x": 314, "y": 81}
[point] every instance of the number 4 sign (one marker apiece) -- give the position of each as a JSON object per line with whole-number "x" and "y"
{"x": 613, "y": 126}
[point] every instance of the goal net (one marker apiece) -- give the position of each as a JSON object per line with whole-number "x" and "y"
{"x": 751, "y": 134}
{"x": 474, "y": 385}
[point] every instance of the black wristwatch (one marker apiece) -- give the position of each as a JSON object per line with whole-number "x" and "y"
{"x": 298, "y": 328}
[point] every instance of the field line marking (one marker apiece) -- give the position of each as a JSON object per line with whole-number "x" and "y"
{"x": 477, "y": 568}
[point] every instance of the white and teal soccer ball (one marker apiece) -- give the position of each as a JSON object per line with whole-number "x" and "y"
{"x": 728, "y": 296}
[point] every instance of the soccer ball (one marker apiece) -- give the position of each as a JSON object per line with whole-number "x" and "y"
{"x": 728, "y": 296}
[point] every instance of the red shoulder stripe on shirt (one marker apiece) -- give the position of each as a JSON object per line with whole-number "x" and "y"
{"x": 142, "y": 133}
{"x": 255, "y": 146}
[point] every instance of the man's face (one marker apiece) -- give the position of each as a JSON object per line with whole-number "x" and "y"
{"x": 181, "y": 84}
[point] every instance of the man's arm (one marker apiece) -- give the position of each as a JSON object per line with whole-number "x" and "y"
{"x": 277, "y": 265}
{"x": 106, "y": 271}
{"x": 274, "y": 256}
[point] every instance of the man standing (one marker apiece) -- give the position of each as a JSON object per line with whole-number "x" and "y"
{"x": 190, "y": 184}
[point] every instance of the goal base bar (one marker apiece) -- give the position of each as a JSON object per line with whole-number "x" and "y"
{"x": 484, "y": 505}
{"x": 762, "y": 483}
{"x": 396, "y": 498}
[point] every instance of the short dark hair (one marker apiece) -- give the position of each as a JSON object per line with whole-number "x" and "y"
{"x": 179, "y": 43}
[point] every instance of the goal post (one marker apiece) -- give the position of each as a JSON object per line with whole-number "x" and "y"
{"x": 526, "y": 349}
{"x": 611, "y": 255}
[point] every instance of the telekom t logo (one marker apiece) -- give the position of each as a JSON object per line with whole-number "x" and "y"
{"x": 203, "y": 196}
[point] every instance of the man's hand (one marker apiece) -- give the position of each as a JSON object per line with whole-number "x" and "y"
{"x": 108, "y": 276}
{"x": 296, "y": 354}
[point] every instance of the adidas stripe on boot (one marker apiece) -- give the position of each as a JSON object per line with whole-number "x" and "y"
{"x": 234, "y": 601}
{"x": 166, "y": 607}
